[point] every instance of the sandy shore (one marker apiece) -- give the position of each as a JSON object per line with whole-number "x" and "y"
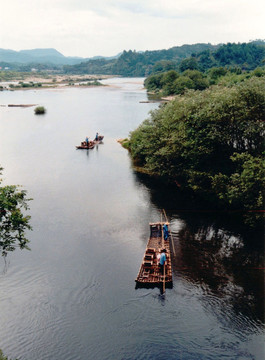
{"x": 64, "y": 78}
{"x": 52, "y": 81}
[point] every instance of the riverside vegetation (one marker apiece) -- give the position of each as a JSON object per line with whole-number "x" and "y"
{"x": 211, "y": 143}
{"x": 3, "y": 357}
{"x": 174, "y": 82}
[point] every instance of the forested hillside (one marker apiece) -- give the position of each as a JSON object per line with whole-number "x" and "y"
{"x": 202, "y": 57}
{"x": 246, "y": 56}
{"x": 227, "y": 65}
{"x": 132, "y": 63}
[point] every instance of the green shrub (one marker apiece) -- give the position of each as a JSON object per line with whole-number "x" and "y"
{"x": 40, "y": 110}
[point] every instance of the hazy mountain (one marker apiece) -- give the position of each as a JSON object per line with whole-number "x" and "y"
{"x": 42, "y": 56}
{"x": 40, "y": 53}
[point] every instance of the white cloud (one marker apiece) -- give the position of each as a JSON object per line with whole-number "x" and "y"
{"x": 106, "y": 27}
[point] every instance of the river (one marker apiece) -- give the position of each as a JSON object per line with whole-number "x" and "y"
{"x": 73, "y": 296}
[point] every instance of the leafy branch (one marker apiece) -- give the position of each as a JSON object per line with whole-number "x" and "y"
{"x": 13, "y": 222}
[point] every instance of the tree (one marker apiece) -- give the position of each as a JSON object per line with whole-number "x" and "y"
{"x": 181, "y": 84}
{"x": 217, "y": 72}
{"x": 153, "y": 82}
{"x": 13, "y": 223}
{"x": 163, "y": 65}
{"x": 245, "y": 185}
{"x": 198, "y": 78}
{"x": 189, "y": 64}
{"x": 211, "y": 142}
{"x": 167, "y": 81}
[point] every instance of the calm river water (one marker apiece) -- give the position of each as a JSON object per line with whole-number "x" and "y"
{"x": 73, "y": 297}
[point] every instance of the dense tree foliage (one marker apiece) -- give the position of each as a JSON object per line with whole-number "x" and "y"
{"x": 189, "y": 64}
{"x": 207, "y": 68}
{"x": 13, "y": 223}
{"x": 211, "y": 142}
{"x": 173, "y": 82}
{"x": 246, "y": 56}
{"x": 228, "y": 65}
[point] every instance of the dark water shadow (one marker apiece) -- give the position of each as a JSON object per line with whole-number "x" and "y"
{"x": 213, "y": 248}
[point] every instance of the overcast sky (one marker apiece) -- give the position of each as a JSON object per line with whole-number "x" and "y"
{"x": 106, "y": 27}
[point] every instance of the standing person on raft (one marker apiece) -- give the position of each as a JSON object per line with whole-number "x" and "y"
{"x": 162, "y": 260}
{"x": 165, "y": 230}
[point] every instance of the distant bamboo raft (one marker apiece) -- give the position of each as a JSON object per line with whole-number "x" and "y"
{"x": 149, "y": 274}
{"x": 21, "y": 105}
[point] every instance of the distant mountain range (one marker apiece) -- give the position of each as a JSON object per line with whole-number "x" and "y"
{"x": 201, "y": 56}
{"x": 43, "y": 56}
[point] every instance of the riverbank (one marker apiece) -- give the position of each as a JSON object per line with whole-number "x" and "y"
{"x": 35, "y": 81}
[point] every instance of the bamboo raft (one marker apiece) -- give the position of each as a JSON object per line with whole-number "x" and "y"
{"x": 85, "y": 145}
{"x": 91, "y": 143}
{"x": 150, "y": 274}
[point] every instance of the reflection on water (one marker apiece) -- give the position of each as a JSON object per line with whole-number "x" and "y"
{"x": 214, "y": 249}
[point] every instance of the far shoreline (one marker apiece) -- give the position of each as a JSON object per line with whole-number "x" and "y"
{"x": 35, "y": 82}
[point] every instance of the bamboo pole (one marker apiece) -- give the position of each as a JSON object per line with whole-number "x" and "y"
{"x": 164, "y": 266}
{"x": 162, "y": 232}
{"x": 171, "y": 237}
{"x": 164, "y": 280}
{"x": 165, "y": 215}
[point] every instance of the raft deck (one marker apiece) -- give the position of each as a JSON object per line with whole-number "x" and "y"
{"x": 91, "y": 143}
{"x": 85, "y": 146}
{"x": 150, "y": 274}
